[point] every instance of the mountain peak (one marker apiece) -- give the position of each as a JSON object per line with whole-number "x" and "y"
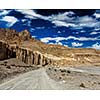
{"x": 25, "y": 35}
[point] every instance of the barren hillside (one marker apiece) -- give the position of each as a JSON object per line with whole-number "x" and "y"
{"x": 32, "y": 51}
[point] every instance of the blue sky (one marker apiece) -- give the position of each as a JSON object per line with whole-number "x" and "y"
{"x": 72, "y": 28}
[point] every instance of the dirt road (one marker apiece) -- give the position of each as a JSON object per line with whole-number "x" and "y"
{"x": 34, "y": 80}
{"x": 40, "y": 80}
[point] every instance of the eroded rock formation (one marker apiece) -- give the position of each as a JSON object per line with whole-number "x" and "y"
{"x": 3, "y": 50}
{"x": 24, "y": 54}
{"x": 31, "y": 51}
{"x": 7, "y": 51}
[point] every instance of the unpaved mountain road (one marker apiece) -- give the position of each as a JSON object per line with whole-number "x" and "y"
{"x": 40, "y": 80}
{"x": 33, "y": 80}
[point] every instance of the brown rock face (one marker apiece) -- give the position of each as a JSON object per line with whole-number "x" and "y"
{"x": 22, "y": 46}
{"x": 24, "y": 35}
{"x": 31, "y": 57}
{"x": 6, "y": 51}
{"x": 25, "y": 55}
{"x": 3, "y": 50}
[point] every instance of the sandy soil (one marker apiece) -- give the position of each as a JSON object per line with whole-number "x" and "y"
{"x": 51, "y": 78}
{"x": 76, "y": 78}
{"x": 33, "y": 80}
{"x": 13, "y": 67}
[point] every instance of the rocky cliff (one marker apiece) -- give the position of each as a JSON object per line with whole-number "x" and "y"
{"x": 22, "y": 46}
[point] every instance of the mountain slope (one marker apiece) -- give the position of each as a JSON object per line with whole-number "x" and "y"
{"x": 27, "y": 49}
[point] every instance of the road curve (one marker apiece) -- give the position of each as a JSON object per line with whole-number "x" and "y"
{"x": 33, "y": 80}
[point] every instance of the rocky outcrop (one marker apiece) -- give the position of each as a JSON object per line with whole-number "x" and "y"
{"x": 24, "y": 35}
{"x": 7, "y": 51}
{"x": 22, "y": 46}
{"x": 3, "y": 50}
{"x": 24, "y": 54}
{"x": 31, "y": 57}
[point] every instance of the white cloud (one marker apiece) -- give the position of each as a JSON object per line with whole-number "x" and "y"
{"x": 31, "y": 14}
{"x": 23, "y": 20}
{"x": 40, "y": 27}
{"x": 51, "y": 43}
{"x": 45, "y": 40}
{"x": 97, "y": 15}
{"x": 4, "y": 12}
{"x": 62, "y": 23}
{"x": 59, "y": 43}
{"x": 59, "y": 19}
{"x": 76, "y": 23}
{"x": 27, "y": 12}
{"x": 29, "y": 23}
{"x": 81, "y": 38}
{"x": 97, "y": 29}
{"x": 92, "y": 33}
{"x": 82, "y": 31}
{"x": 10, "y": 19}
{"x": 90, "y": 24}
{"x": 85, "y": 19}
{"x": 76, "y": 44}
{"x": 59, "y": 32}
{"x": 66, "y": 45}
{"x": 32, "y": 29}
{"x": 61, "y": 16}
{"x": 33, "y": 36}
{"x": 58, "y": 39}
{"x": 63, "y": 19}
{"x": 96, "y": 46}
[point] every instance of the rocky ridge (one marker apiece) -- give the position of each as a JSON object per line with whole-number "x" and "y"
{"x": 22, "y": 46}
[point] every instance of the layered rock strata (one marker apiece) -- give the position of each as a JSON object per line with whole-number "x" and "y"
{"x": 22, "y": 46}
{"x": 23, "y": 54}
{"x": 31, "y": 57}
